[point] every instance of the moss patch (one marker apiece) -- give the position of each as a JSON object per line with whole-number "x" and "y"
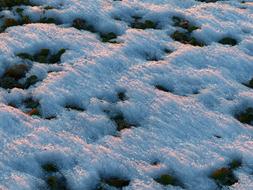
{"x": 50, "y": 167}
{"x": 12, "y": 3}
{"x": 186, "y": 38}
{"x": 228, "y": 41}
{"x": 108, "y": 37}
{"x": 54, "y": 179}
{"x": 245, "y": 116}
{"x": 225, "y": 175}
{"x": 121, "y": 122}
{"x": 44, "y": 56}
{"x": 74, "y": 107}
{"x": 183, "y": 23}
{"x": 12, "y": 75}
{"x": 122, "y": 96}
{"x": 33, "y": 106}
{"x": 115, "y": 182}
{"x": 162, "y": 88}
{"x": 138, "y": 23}
{"x": 82, "y": 24}
{"x": 166, "y": 179}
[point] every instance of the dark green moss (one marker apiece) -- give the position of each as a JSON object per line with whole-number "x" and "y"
{"x": 245, "y": 116}
{"x": 162, "y": 88}
{"x": 146, "y": 24}
{"x": 183, "y": 23}
{"x": 186, "y": 38}
{"x": 234, "y": 164}
{"x": 50, "y": 167}
{"x": 82, "y": 24}
{"x": 30, "y": 81}
{"x": 115, "y": 182}
{"x": 48, "y": 20}
{"x": 57, "y": 183}
{"x": 122, "y": 96}
{"x": 44, "y": 56}
{"x": 120, "y": 122}
{"x": 17, "y": 71}
{"x": 224, "y": 177}
{"x": 74, "y": 107}
{"x": 166, "y": 179}
{"x": 56, "y": 58}
{"x": 250, "y": 83}
{"x": 108, "y": 37}
{"x": 9, "y": 83}
{"x": 25, "y": 56}
{"x": 12, "y": 3}
{"x": 31, "y": 103}
{"x": 12, "y": 75}
{"x": 228, "y": 41}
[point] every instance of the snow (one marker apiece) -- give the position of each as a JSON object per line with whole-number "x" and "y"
{"x": 178, "y": 129}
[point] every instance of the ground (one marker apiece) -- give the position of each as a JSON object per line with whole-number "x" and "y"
{"x": 131, "y": 94}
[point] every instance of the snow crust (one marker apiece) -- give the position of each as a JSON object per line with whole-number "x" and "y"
{"x": 178, "y": 129}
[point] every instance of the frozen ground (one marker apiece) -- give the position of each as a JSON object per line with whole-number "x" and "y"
{"x": 177, "y": 101}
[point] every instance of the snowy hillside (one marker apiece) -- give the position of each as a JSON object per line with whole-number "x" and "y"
{"x": 126, "y": 95}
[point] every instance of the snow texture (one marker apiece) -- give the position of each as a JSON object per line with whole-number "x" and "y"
{"x": 190, "y": 131}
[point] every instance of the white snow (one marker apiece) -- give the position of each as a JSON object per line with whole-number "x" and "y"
{"x": 177, "y": 129}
